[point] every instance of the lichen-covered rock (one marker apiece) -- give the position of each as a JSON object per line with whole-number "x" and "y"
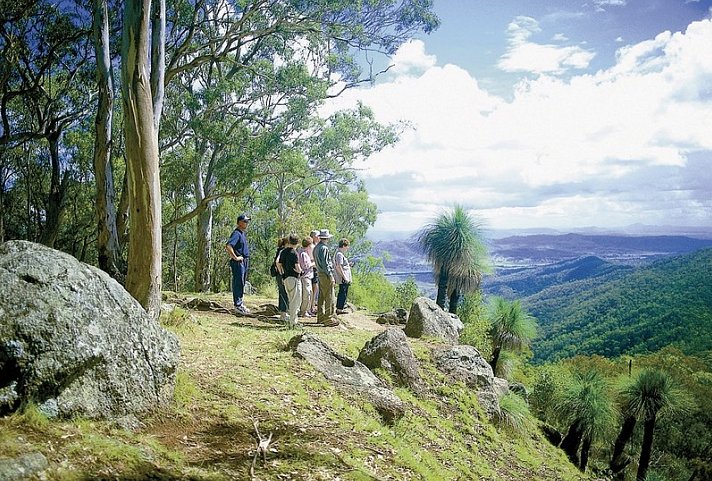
{"x": 348, "y": 374}
{"x": 390, "y": 350}
{"x": 464, "y": 363}
{"x": 393, "y": 317}
{"x": 426, "y": 318}
{"x": 73, "y": 341}
{"x": 26, "y": 466}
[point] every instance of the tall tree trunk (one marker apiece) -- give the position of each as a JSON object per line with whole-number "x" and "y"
{"x": 618, "y": 459}
{"x": 158, "y": 60}
{"x": 454, "y": 301}
{"x": 204, "y": 250}
{"x": 57, "y": 192}
{"x": 495, "y": 359}
{"x": 442, "y": 289}
{"x": 572, "y": 442}
{"x": 108, "y": 249}
{"x": 143, "y": 280}
{"x": 647, "y": 448}
{"x": 585, "y": 449}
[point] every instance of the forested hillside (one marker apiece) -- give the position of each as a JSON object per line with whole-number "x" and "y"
{"x": 666, "y": 303}
{"x": 526, "y": 281}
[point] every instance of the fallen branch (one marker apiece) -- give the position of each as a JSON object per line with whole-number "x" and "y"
{"x": 262, "y": 447}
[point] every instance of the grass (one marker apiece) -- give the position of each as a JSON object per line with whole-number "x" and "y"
{"x": 234, "y": 374}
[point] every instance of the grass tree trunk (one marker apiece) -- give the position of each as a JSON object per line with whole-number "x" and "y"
{"x": 454, "y": 301}
{"x": 572, "y": 442}
{"x": 108, "y": 250}
{"x": 442, "y": 289}
{"x": 495, "y": 358}
{"x": 618, "y": 459}
{"x": 143, "y": 280}
{"x": 647, "y": 448}
{"x": 585, "y": 451}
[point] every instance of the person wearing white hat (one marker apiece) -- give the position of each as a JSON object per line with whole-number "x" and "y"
{"x": 326, "y": 305}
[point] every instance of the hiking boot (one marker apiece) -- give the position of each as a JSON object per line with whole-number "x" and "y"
{"x": 342, "y": 311}
{"x": 241, "y": 309}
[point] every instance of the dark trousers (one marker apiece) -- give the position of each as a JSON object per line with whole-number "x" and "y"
{"x": 282, "y": 295}
{"x": 341, "y": 297}
{"x": 239, "y": 276}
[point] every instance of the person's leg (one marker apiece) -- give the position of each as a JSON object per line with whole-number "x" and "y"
{"x": 329, "y": 301}
{"x": 306, "y": 296}
{"x": 282, "y": 298}
{"x": 315, "y": 292}
{"x": 320, "y": 308}
{"x": 341, "y": 297}
{"x": 293, "y": 288}
{"x": 238, "y": 282}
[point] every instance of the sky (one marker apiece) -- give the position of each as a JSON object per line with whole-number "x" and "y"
{"x": 547, "y": 114}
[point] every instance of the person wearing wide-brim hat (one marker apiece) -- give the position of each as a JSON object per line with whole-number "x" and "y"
{"x": 239, "y": 252}
{"x": 326, "y": 305}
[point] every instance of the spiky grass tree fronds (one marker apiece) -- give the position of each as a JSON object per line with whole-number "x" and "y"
{"x": 506, "y": 364}
{"x": 588, "y": 408}
{"x": 514, "y": 413}
{"x": 455, "y": 247}
{"x": 650, "y": 395}
{"x": 512, "y": 327}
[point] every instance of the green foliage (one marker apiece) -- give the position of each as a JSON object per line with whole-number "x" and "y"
{"x": 515, "y": 413}
{"x": 667, "y": 303}
{"x": 454, "y": 245}
{"x": 547, "y": 391}
{"x": 587, "y": 400}
{"x": 406, "y": 292}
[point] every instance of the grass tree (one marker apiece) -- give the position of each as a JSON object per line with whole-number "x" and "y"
{"x": 587, "y": 407}
{"x": 454, "y": 245}
{"x": 650, "y": 394}
{"x": 512, "y": 328}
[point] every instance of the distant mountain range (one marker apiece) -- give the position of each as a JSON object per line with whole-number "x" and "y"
{"x": 594, "y": 294}
{"x": 405, "y": 256}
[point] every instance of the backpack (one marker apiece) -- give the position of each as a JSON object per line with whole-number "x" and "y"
{"x": 273, "y": 269}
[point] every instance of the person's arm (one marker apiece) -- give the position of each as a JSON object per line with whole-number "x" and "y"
{"x": 232, "y": 254}
{"x": 337, "y": 265}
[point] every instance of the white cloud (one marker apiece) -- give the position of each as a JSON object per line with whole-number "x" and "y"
{"x": 411, "y": 58}
{"x": 525, "y": 56}
{"x": 561, "y": 153}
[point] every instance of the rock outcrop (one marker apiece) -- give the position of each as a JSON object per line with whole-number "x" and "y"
{"x": 73, "y": 341}
{"x": 426, "y": 318}
{"x": 348, "y": 374}
{"x": 465, "y": 364}
{"x": 390, "y": 350}
{"x": 393, "y": 317}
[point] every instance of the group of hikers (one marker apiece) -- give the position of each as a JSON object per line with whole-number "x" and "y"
{"x": 306, "y": 274}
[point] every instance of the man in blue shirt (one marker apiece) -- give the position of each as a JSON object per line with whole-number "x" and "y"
{"x": 239, "y": 252}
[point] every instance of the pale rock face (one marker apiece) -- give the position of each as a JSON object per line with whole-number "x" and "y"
{"x": 73, "y": 341}
{"x": 426, "y": 318}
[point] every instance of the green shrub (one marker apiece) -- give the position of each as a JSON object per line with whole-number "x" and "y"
{"x": 514, "y": 412}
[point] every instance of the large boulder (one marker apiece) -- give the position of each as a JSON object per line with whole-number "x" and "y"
{"x": 348, "y": 374}
{"x": 426, "y": 318}
{"x": 466, "y": 364}
{"x": 390, "y": 350}
{"x": 73, "y": 341}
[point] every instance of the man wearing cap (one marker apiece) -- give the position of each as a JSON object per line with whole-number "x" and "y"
{"x": 239, "y": 252}
{"x": 326, "y": 310}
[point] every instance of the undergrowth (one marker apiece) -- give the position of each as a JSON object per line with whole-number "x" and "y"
{"x": 235, "y": 379}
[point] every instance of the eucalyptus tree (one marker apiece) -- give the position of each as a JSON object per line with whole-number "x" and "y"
{"x": 252, "y": 77}
{"x": 143, "y": 279}
{"x": 455, "y": 247}
{"x": 587, "y": 407}
{"x": 512, "y": 328}
{"x": 44, "y": 91}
